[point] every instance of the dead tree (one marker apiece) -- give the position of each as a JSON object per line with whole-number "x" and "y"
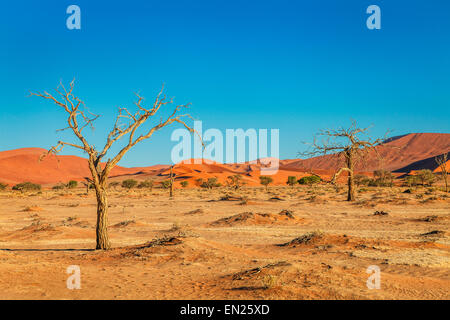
{"x": 172, "y": 181}
{"x": 127, "y": 125}
{"x": 87, "y": 184}
{"x": 346, "y": 143}
{"x": 442, "y": 163}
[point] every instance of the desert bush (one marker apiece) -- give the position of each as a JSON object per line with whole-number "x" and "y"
{"x": 269, "y": 281}
{"x": 411, "y": 181}
{"x": 166, "y": 184}
{"x": 129, "y": 184}
{"x": 426, "y": 177}
{"x": 60, "y": 186}
{"x": 72, "y": 184}
{"x": 382, "y": 178}
{"x": 3, "y": 186}
{"x": 265, "y": 181}
{"x": 199, "y": 182}
{"x": 184, "y": 184}
{"x": 210, "y": 183}
{"x": 114, "y": 184}
{"x": 291, "y": 181}
{"x": 309, "y": 180}
{"x": 235, "y": 181}
{"x": 88, "y": 186}
{"x": 362, "y": 180}
{"x": 147, "y": 184}
{"x": 27, "y": 186}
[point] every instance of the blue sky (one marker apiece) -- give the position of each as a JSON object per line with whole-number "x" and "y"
{"x": 298, "y": 66}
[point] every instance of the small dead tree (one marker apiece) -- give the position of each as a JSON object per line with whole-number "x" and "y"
{"x": 87, "y": 183}
{"x": 346, "y": 143}
{"x": 172, "y": 181}
{"x": 442, "y": 163}
{"x": 127, "y": 125}
{"x": 235, "y": 181}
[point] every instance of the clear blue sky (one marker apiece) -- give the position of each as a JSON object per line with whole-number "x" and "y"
{"x": 294, "y": 65}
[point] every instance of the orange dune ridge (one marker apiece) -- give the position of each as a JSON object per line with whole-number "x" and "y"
{"x": 401, "y": 154}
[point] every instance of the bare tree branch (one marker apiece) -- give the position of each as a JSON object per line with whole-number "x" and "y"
{"x": 126, "y": 125}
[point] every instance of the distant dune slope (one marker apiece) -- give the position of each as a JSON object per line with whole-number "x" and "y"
{"x": 396, "y": 154}
{"x": 24, "y": 165}
{"x": 401, "y": 154}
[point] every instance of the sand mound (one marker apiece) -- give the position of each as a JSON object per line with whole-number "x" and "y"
{"x": 40, "y": 231}
{"x": 322, "y": 240}
{"x": 432, "y": 218}
{"x": 128, "y": 223}
{"x": 164, "y": 241}
{"x": 409, "y": 257}
{"x": 434, "y": 234}
{"x": 252, "y": 272}
{"x": 36, "y": 230}
{"x": 276, "y": 198}
{"x": 231, "y": 198}
{"x": 75, "y": 222}
{"x": 39, "y": 227}
{"x": 32, "y": 209}
{"x": 123, "y": 224}
{"x": 250, "y": 218}
{"x": 196, "y": 211}
{"x": 308, "y": 238}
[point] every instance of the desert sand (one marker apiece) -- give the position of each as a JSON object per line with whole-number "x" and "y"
{"x": 302, "y": 242}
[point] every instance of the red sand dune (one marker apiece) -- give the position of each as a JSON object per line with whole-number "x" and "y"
{"x": 447, "y": 167}
{"x": 25, "y": 165}
{"x": 397, "y": 153}
{"x": 402, "y": 154}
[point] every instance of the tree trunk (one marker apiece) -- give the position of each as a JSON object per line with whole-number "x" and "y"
{"x": 102, "y": 219}
{"x": 171, "y": 182}
{"x": 351, "y": 180}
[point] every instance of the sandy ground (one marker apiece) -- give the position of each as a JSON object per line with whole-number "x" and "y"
{"x": 306, "y": 243}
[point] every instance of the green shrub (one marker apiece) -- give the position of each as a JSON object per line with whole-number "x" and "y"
{"x": 309, "y": 180}
{"x": 60, "y": 186}
{"x": 147, "y": 184}
{"x": 426, "y": 177}
{"x": 382, "y": 178}
{"x": 129, "y": 184}
{"x": 184, "y": 184}
{"x": 362, "y": 180}
{"x": 235, "y": 181}
{"x": 291, "y": 180}
{"x": 72, "y": 184}
{"x": 166, "y": 184}
{"x": 114, "y": 184}
{"x": 3, "y": 186}
{"x": 265, "y": 180}
{"x": 411, "y": 181}
{"x": 210, "y": 183}
{"x": 27, "y": 186}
